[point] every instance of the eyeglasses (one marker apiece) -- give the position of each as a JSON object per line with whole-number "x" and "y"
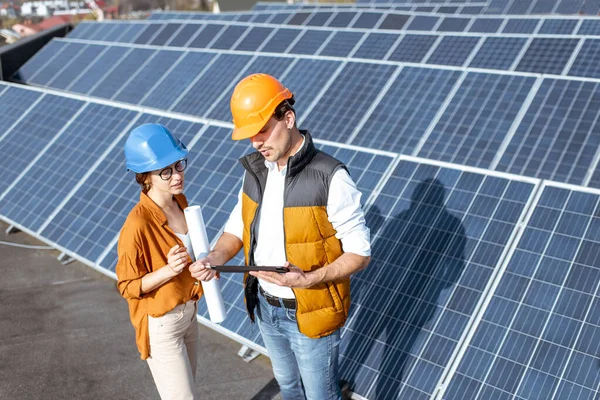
{"x": 167, "y": 173}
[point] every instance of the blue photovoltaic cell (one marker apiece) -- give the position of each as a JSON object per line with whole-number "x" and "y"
{"x": 56, "y": 64}
{"x": 279, "y": 18}
{"x": 148, "y": 34}
{"x": 319, "y": 18}
{"x": 165, "y": 35}
{"x": 423, "y": 23}
{"x": 341, "y": 44}
{"x": 367, "y": 20}
{"x": 80, "y": 30}
{"x": 543, "y": 7}
{"x": 94, "y": 73}
{"x": 121, "y": 73}
{"x": 281, "y": 40}
{"x": 93, "y": 217}
{"x": 207, "y": 35}
{"x": 559, "y": 134}
{"x": 342, "y": 19}
{"x": 587, "y": 62}
{"x": 438, "y": 234}
{"x": 590, "y": 7}
{"x": 538, "y": 338}
{"x": 244, "y": 18}
{"x": 14, "y": 102}
{"x": 254, "y": 38}
{"x": 408, "y": 107}
{"x": 376, "y": 46}
{"x": 178, "y": 80}
{"x": 498, "y": 53}
{"x": 519, "y": 7}
{"x": 451, "y": 24}
{"x": 108, "y": 31}
{"x": 412, "y": 48}
{"x": 477, "y": 119}
{"x": 306, "y": 79}
{"x": 309, "y": 42}
{"x": 298, "y": 18}
{"x": 486, "y": 25}
{"x": 354, "y": 89}
{"x": 274, "y": 66}
{"x": 572, "y": 6}
{"x": 521, "y": 25}
{"x": 36, "y": 63}
{"x": 558, "y": 26}
{"x": 213, "y": 82}
{"x": 229, "y": 37}
{"x": 394, "y": 21}
{"x": 472, "y": 10}
{"x": 589, "y": 27}
{"x": 547, "y": 56}
{"x": 142, "y": 83}
{"x": 130, "y": 35}
{"x": 185, "y": 34}
{"x": 70, "y": 72}
{"x": 453, "y": 50}
{"x": 260, "y": 18}
{"x": 93, "y": 31}
{"x": 117, "y": 32}
{"x": 30, "y": 135}
{"x": 41, "y": 190}
{"x": 447, "y": 10}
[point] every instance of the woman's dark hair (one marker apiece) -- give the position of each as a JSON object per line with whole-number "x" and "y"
{"x": 284, "y": 107}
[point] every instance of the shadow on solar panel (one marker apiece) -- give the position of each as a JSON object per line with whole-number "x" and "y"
{"x": 420, "y": 254}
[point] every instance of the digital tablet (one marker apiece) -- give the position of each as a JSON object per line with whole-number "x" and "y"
{"x": 247, "y": 268}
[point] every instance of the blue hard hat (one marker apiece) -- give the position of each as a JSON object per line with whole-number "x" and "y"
{"x": 152, "y": 146}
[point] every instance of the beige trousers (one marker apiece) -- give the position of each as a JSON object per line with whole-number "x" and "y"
{"x": 173, "y": 351}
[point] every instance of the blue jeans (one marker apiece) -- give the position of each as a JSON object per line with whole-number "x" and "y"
{"x": 305, "y": 368}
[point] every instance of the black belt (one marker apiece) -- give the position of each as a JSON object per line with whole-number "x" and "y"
{"x": 276, "y": 301}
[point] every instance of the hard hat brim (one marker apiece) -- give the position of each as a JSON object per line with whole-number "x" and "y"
{"x": 248, "y": 131}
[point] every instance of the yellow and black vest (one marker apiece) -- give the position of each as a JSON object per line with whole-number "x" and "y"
{"x": 310, "y": 241}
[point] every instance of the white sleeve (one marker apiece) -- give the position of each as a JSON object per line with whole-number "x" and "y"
{"x": 346, "y": 214}
{"x": 235, "y": 224}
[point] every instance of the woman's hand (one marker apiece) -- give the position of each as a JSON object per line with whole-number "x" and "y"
{"x": 177, "y": 259}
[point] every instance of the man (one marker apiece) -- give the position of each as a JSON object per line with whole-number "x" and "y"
{"x": 299, "y": 208}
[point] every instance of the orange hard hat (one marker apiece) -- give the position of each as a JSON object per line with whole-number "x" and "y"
{"x": 253, "y": 102}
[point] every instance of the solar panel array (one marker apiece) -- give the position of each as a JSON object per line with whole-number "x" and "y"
{"x": 474, "y": 140}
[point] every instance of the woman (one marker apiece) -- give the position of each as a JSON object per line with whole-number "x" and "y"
{"x": 153, "y": 259}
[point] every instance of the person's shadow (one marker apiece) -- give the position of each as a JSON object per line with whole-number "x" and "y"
{"x": 416, "y": 257}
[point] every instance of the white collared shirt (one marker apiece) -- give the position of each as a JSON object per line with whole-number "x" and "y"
{"x": 343, "y": 210}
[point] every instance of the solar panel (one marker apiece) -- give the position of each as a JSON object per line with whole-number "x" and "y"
{"x": 376, "y": 46}
{"x": 61, "y": 79}
{"x": 169, "y": 89}
{"x": 199, "y": 96}
{"x": 498, "y": 53}
{"x": 36, "y": 64}
{"x": 477, "y": 119}
{"x": 453, "y": 50}
{"x": 341, "y": 44}
{"x": 403, "y": 115}
{"x": 547, "y": 56}
{"x": 91, "y": 75}
{"x": 15, "y": 102}
{"x": 254, "y": 39}
{"x": 119, "y": 73}
{"x": 309, "y": 42}
{"x": 439, "y": 235}
{"x": 142, "y": 82}
{"x": 538, "y": 336}
{"x": 29, "y": 136}
{"x": 413, "y": 48}
{"x": 35, "y": 194}
{"x": 558, "y": 26}
{"x": 557, "y": 138}
{"x": 355, "y": 88}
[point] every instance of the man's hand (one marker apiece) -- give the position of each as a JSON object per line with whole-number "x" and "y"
{"x": 201, "y": 269}
{"x": 177, "y": 259}
{"x": 296, "y": 278}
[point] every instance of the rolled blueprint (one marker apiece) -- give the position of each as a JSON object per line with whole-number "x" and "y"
{"x": 201, "y": 248}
